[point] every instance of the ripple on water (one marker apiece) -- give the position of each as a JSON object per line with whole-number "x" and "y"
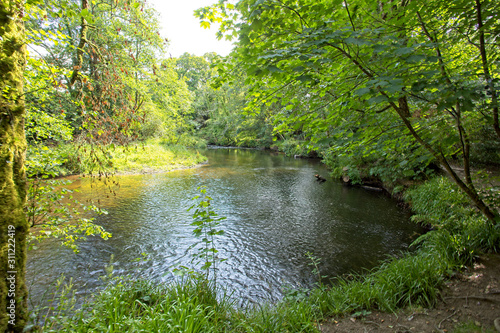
{"x": 276, "y": 212}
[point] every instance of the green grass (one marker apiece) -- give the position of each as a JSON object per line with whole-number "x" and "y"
{"x": 140, "y": 157}
{"x": 471, "y": 327}
{"x": 190, "y": 305}
{"x": 143, "y": 306}
{"x": 153, "y": 156}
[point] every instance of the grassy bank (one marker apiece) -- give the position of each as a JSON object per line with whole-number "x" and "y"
{"x": 140, "y": 157}
{"x": 153, "y": 156}
{"x": 413, "y": 279}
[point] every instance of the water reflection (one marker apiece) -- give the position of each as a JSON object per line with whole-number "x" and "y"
{"x": 276, "y": 212}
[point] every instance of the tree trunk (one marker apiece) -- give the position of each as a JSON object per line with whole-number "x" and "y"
{"x": 471, "y": 192}
{"x": 487, "y": 75}
{"x": 79, "y": 51}
{"x": 13, "y": 222}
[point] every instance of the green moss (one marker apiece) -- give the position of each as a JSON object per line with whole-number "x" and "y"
{"x": 12, "y": 175}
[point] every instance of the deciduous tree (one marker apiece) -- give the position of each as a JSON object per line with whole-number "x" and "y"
{"x": 420, "y": 67}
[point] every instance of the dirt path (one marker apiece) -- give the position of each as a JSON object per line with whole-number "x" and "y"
{"x": 470, "y": 302}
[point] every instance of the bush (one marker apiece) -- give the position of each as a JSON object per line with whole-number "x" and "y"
{"x": 461, "y": 232}
{"x": 388, "y": 169}
{"x": 187, "y": 140}
{"x": 292, "y": 147}
{"x": 438, "y": 202}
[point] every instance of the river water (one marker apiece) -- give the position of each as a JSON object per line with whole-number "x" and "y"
{"x": 276, "y": 212}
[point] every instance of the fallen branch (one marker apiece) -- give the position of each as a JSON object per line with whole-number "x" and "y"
{"x": 454, "y": 313}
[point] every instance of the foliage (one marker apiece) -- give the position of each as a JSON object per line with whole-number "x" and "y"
{"x": 190, "y": 305}
{"x": 217, "y": 109}
{"x": 53, "y": 212}
{"x": 46, "y": 117}
{"x": 51, "y": 209}
{"x": 100, "y": 74}
{"x": 359, "y": 157}
{"x": 437, "y": 202}
{"x": 42, "y": 160}
{"x": 195, "y": 70}
{"x": 206, "y": 222}
{"x": 170, "y": 106}
{"x": 292, "y": 147}
{"x": 315, "y": 262}
{"x": 413, "y": 280}
{"x": 152, "y": 155}
{"x": 192, "y": 141}
{"x": 144, "y": 306}
{"x": 392, "y": 83}
{"x": 461, "y": 233}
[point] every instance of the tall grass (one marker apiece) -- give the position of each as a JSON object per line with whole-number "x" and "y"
{"x": 460, "y": 232}
{"x": 144, "y": 306}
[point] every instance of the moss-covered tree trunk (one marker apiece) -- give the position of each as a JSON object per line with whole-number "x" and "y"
{"x": 13, "y": 223}
{"x": 80, "y": 51}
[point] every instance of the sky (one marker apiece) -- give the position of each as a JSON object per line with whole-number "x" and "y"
{"x": 183, "y": 29}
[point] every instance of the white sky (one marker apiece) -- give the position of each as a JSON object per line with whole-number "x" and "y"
{"x": 183, "y": 29}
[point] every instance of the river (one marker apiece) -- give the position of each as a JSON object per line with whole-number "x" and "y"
{"x": 276, "y": 212}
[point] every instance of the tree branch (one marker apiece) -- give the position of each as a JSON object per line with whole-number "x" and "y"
{"x": 486, "y": 69}
{"x": 349, "y": 14}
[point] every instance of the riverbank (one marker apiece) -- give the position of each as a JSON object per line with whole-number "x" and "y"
{"x": 151, "y": 156}
{"x": 468, "y": 296}
{"x": 469, "y": 302}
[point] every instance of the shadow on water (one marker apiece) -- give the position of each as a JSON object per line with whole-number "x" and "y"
{"x": 276, "y": 212}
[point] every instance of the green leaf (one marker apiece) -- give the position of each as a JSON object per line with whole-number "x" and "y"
{"x": 356, "y": 41}
{"x": 415, "y": 58}
{"x": 304, "y": 78}
{"x": 377, "y": 99}
{"x": 85, "y": 13}
{"x": 404, "y": 50}
{"x": 362, "y": 91}
{"x": 274, "y": 69}
{"x": 256, "y": 25}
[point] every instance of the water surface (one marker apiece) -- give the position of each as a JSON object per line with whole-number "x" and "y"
{"x": 276, "y": 212}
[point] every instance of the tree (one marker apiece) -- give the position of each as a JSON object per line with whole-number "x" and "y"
{"x": 418, "y": 67}
{"x": 13, "y": 224}
{"x": 168, "y": 104}
{"x": 218, "y": 106}
{"x": 101, "y": 56}
{"x": 195, "y": 70}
